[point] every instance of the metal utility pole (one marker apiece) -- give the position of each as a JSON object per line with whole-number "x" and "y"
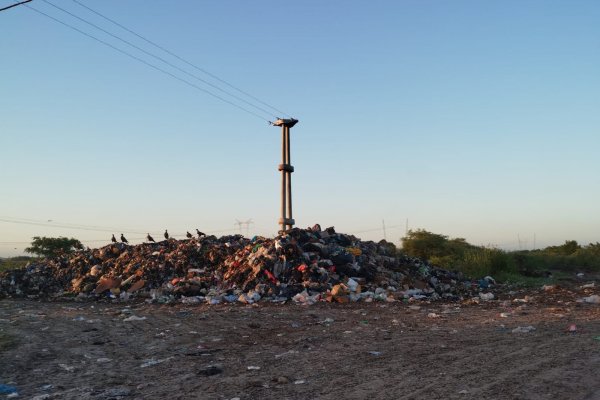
{"x": 286, "y": 221}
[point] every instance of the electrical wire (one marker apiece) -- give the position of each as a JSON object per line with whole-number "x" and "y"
{"x": 14, "y": 5}
{"x": 64, "y": 225}
{"x": 181, "y": 58}
{"x": 147, "y": 63}
{"x": 378, "y": 229}
{"x": 160, "y": 59}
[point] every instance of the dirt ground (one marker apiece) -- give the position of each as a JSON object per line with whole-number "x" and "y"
{"x": 67, "y": 350}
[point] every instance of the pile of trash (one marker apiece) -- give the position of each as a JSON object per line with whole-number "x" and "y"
{"x": 304, "y": 265}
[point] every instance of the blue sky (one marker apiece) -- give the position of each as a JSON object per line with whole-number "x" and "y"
{"x": 472, "y": 119}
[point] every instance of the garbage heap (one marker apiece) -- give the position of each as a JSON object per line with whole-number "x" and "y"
{"x": 304, "y": 265}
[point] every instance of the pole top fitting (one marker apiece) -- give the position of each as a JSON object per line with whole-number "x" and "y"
{"x": 288, "y": 122}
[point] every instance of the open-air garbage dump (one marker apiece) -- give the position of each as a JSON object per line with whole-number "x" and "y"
{"x": 221, "y": 326}
{"x": 305, "y": 266}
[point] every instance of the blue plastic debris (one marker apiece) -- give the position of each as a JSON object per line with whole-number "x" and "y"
{"x": 7, "y": 389}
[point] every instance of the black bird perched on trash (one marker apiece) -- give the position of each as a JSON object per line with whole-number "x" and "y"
{"x": 150, "y": 238}
{"x": 188, "y": 234}
{"x": 200, "y": 234}
{"x": 166, "y": 235}
{"x": 123, "y": 239}
{"x": 113, "y": 239}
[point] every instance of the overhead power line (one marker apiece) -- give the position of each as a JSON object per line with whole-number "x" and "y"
{"x": 63, "y": 225}
{"x": 14, "y": 5}
{"x": 148, "y": 64}
{"x": 267, "y": 112}
{"x": 181, "y": 59}
{"x": 93, "y": 228}
{"x": 377, "y": 229}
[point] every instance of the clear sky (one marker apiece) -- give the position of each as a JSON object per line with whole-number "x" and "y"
{"x": 467, "y": 118}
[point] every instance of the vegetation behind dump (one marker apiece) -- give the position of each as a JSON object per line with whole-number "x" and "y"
{"x": 479, "y": 261}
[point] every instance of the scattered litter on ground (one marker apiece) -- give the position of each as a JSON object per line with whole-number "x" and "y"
{"x": 525, "y": 299}
{"x": 134, "y": 318}
{"x": 287, "y": 353}
{"x": 7, "y": 389}
{"x": 588, "y": 285}
{"x": 42, "y": 397}
{"x": 523, "y": 329}
{"x": 66, "y": 367}
{"x": 152, "y": 362}
{"x": 211, "y": 370}
{"x": 486, "y": 296}
{"x": 593, "y": 299}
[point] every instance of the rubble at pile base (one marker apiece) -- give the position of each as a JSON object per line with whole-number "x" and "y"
{"x": 305, "y": 265}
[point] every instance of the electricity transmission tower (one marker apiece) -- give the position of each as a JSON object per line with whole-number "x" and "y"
{"x": 246, "y": 223}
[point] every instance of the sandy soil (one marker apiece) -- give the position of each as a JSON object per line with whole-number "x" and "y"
{"x": 326, "y": 351}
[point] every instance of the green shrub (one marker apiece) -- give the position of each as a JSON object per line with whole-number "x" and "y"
{"x": 52, "y": 247}
{"x": 477, "y": 261}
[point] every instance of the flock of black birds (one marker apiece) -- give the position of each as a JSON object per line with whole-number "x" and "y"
{"x": 166, "y": 235}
